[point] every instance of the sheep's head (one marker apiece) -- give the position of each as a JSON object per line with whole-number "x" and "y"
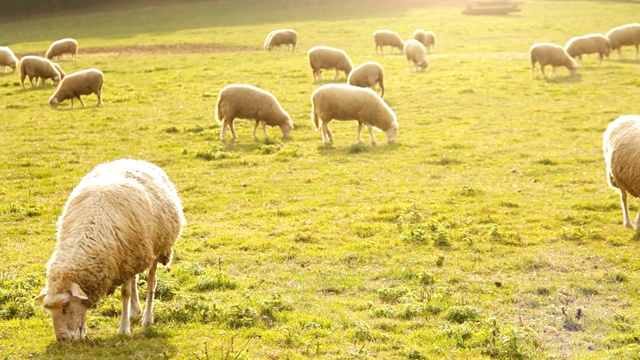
{"x": 422, "y": 65}
{"x": 53, "y": 101}
{"x": 392, "y": 132}
{"x": 68, "y": 311}
{"x": 286, "y": 127}
{"x": 573, "y": 67}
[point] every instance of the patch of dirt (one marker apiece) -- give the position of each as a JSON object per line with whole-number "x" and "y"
{"x": 170, "y": 49}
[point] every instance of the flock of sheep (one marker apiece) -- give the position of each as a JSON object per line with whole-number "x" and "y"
{"x": 555, "y": 55}
{"x": 124, "y": 216}
{"x": 352, "y": 101}
{"x": 40, "y": 69}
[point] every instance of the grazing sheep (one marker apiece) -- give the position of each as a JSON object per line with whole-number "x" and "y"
{"x": 387, "y": 38}
{"x": 426, "y": 38}
{"x": 324, "y": 57}
{"x": 368, "y": 74}
{"x": 416, "y": 53}
{"x": 36, "y": 67}
{"x": 624, "y": 35}
{"x": 281, "y": 37}
{"x": 8, "y": 58}
{"x": 61, "y": 47}
{"x": 589, "y": 44}
{"x": 551, "y": 54}
{"x": 347, "y": 102}
{"x": 83, "y": 82}
{"x": 249, "y": 102}
{"x": 621, "y": 147}
{"x": 121, "y": 219}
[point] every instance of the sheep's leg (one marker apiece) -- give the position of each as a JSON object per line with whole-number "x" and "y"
{"x": 327, "y": 137}
{"x": 255, "y": 128}
{"x": 223, "y": 130}
{"x": 72, "y": 103}
{"x": 125, "y": 291}
{"x": 358, "y": 137}
{"x": 635, "y": 57}
{"x": 337, "y": 75}
{"x": 134, "y": 309}
{"x": 373, "y": 138}
{"x": 82, "y": 102}
{"x": 542, "y": 71}
{"x": 147, "y": 317}
{"x": 233, "y": 129}
{"x": 99, "y": 100}
{"x": 625, "y": 209}
{"x": 264, "y": 128}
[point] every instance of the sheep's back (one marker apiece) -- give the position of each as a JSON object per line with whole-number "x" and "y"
{"x": 621, "y": 147}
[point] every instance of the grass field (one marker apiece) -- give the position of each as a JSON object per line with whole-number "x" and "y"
{"x": 486, "y": 231}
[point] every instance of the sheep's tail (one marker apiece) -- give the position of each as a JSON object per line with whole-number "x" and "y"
{"x": 219, "y": 114}
{"x": 314, "y": 116}
{"x": 22, "y": 72}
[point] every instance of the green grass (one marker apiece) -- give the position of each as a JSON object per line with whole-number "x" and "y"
{"x": 480, "y": 233}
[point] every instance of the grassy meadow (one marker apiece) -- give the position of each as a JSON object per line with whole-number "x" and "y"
{"x": 486, "y": 231}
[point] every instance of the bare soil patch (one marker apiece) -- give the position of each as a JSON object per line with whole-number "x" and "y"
{"x": 170, "y": 49}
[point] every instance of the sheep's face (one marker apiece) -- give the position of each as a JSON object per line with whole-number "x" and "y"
{"x": 286, "y": 128}
{"x": 392, "y": 133}
{"x": 68, "y": 311}
{"x": 53, "y": 102}
{"x": 422, "y": 65}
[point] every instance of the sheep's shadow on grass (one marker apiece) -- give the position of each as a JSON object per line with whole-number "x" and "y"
{"x": 575, "y": 78}
{"x": 357, "y": 148}
{"x": 151, "y": 339}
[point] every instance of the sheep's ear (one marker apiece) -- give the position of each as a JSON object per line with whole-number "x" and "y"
{"x": 77, "y": 292}
{"x": 42, "y": 294}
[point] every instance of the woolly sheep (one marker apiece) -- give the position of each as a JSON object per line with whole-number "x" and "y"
{"x": 416, "y": 53}
{"x": 347, "y": 102}
{"x": 621, "y": 148}
{"x": 249, "y": 102}
{"x": 623, "y": 36}
{"x": 36, "y": 67}
{"x": 589, "y": 44}
{"x": 61, "y": 47}
{"x": 367, "y": 74}
{"x": 79, "y": 83}
{"x": 551, "y": 54}
{"x": 281, "y": 37}
{"x": 325, "y": 57}
{"x": 426, "y": 38}
{"x": 8, "y": 58}
{"x": 121, "y": 219}
{"x": 387, "y": 38}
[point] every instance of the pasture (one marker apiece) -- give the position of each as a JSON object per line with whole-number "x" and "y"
{"x": 486, "y": 231}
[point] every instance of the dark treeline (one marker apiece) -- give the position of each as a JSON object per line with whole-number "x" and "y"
{"x": 12, "y": 8}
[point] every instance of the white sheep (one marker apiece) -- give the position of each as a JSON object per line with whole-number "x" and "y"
{"x": 368, "y": 74}
{"x": 61, "y": 47}
{"x": 40, "y": 69}
{"x": 416, "y": 53}
{"x": 426, "y": 38}
{"x": 279, "y": 37}
{"x": 249, "y": 102}
{"x": 325, "y": 57}
{"x": 79, "y": 83}
{"x": 347, "y": 102}
{"x": 8, "y": 58}
{"x": 387, "y": 38}
{"x": 551, "y": 54}
{"x": 589, "y": 44}
{"x": 121, "y": 219}
{"x": 624, "y": 35}
{"x": 621, "y": 148}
